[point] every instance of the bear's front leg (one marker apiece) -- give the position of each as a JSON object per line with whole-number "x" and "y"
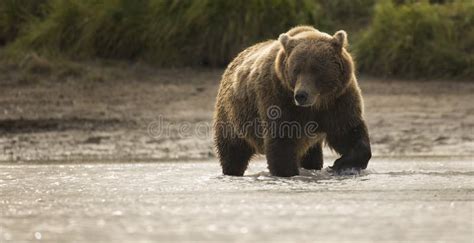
{"x": 281, "y": 157}
{"x": 354, "y": 147}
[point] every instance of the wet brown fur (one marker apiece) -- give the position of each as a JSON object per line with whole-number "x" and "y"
{"x": 266, "y": 76}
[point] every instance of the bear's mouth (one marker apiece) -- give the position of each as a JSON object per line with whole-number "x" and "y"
{"x": 307, "y": 103}
{"x": 303, "y": 105}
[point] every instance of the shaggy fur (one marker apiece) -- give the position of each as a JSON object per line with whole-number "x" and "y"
{"x": 271, "y": 75}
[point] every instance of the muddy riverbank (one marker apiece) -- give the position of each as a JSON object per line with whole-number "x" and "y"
{"x": 139, "y": 114}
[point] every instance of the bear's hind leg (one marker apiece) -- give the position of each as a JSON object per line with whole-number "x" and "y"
{"x": 313, "y": 159}
{"x": 234, "y": 155}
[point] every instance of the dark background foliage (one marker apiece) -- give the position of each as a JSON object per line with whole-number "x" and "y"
{"x": 388, "y": 38}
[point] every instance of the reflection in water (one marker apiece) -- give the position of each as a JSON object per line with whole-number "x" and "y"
{"x": 193, "y": 202}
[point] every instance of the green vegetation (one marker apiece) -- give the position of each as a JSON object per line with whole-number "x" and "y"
{"x": 14, "y": 14}
{"x": 204, "y": 32}
{"x": 414, "y": 38}
{"x": 419, "y": 40}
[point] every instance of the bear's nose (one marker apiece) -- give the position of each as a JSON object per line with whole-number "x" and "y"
{"x": 301, "y": 97}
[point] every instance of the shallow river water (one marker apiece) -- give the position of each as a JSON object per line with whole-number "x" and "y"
{"x": 396, "y": 199}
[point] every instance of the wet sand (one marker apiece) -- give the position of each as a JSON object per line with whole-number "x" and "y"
{"x": 143, "y": 113}
{"x": 398, "y": 199}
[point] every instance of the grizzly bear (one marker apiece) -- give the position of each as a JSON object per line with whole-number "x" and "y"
{"x": 306, "y": 77}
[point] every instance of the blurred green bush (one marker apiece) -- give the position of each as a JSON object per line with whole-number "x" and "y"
{"x": 166, "y": 32}
{"x": 414, "y": 38}
{"x": 14, "y": 14}
{"x": 419, "y": 39}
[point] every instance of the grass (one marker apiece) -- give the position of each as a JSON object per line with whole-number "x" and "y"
{"x": 412, "y": 38}
{"x": 14, "y": 14}
{"x": 176, "y": 33}
{"x": 419, "y": 40}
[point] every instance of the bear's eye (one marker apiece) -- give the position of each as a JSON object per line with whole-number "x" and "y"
{"x": 295, "y": 71}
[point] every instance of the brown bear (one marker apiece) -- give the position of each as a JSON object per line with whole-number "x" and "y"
{"x": 272, "y": 91}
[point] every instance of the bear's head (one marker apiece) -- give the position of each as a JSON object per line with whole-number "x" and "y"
{"x": 315, "y": 66}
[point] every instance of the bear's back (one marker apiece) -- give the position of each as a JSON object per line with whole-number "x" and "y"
{"x": 251, "y": 68}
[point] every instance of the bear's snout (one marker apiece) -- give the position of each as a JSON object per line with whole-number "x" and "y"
{"x": 301, "y": 98}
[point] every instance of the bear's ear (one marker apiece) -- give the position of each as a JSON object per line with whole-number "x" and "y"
{"x": 340, "y": 39}
{"x": 287, "y": 42}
